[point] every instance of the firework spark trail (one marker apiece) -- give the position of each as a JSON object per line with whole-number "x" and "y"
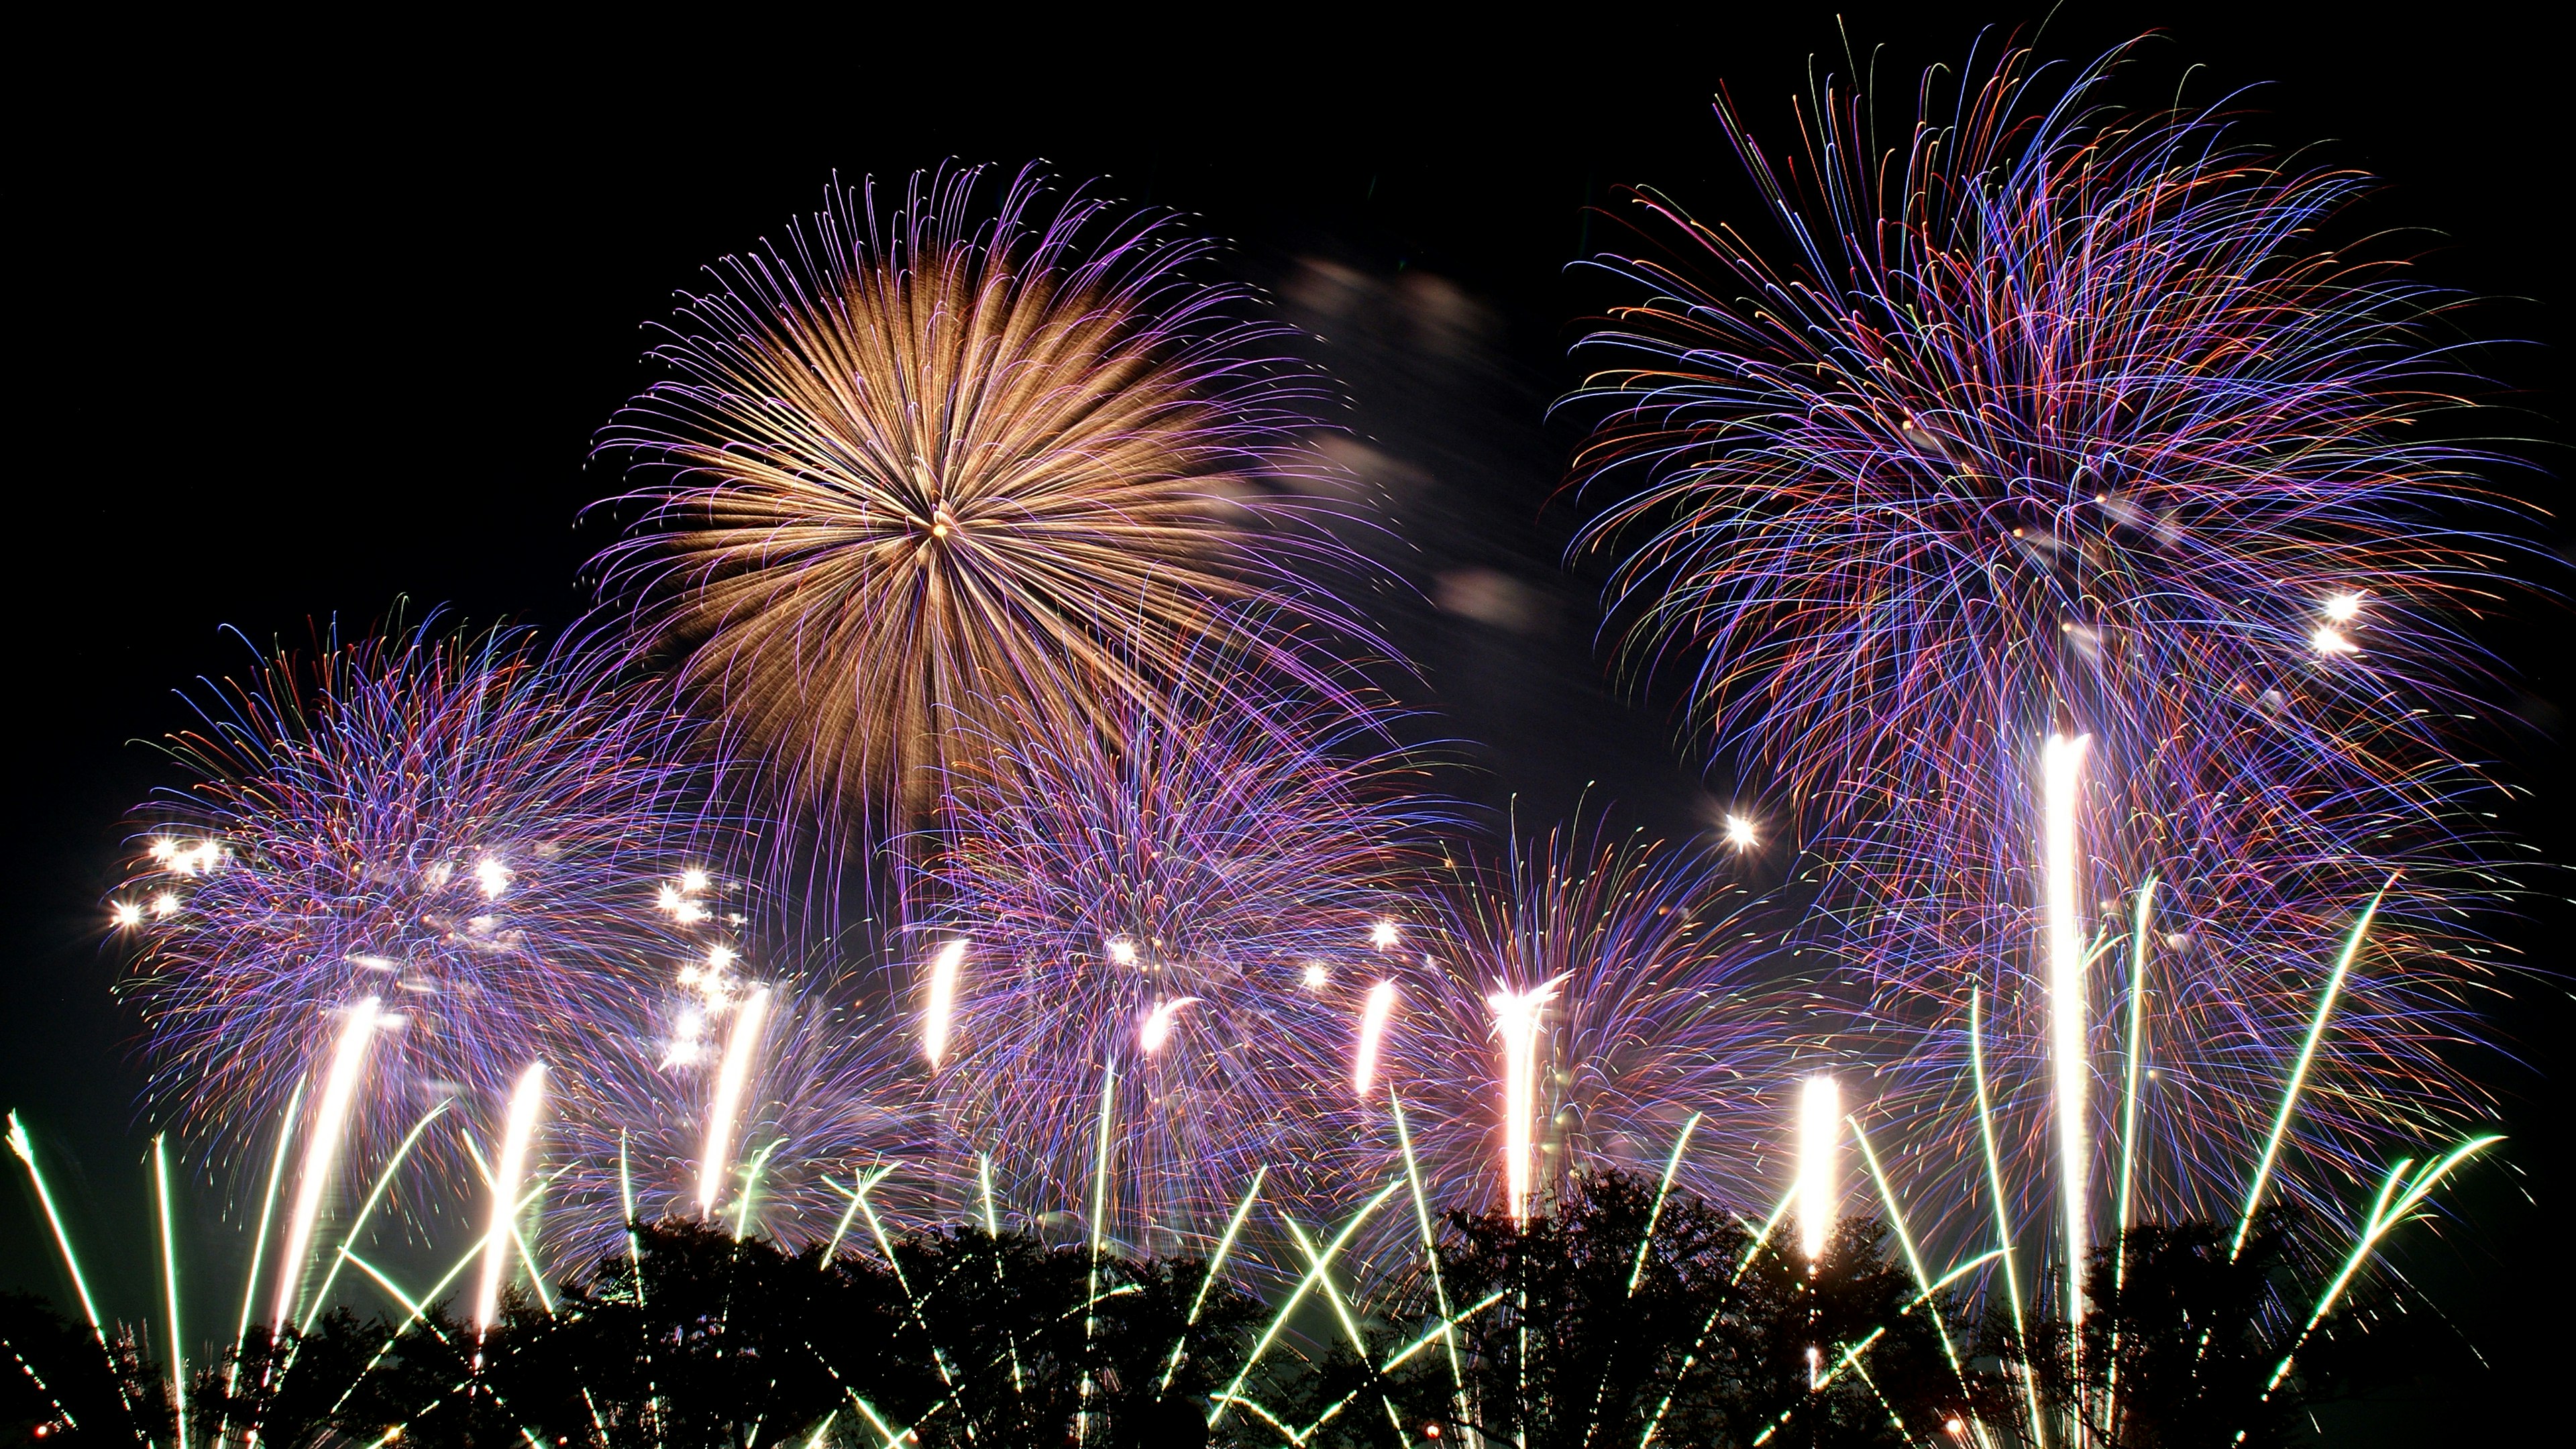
{"x": 170, "y": 1284}
{"x": 2059, "y": 412}
{"x": 1373, "y": 1021}
{"x": 2070, "y": 1050}
{"x": 322, "y": 1145}
{"x": 715, "y": 1158}
{"x": 473, "y": 825}
{"x": 525, "y": 1102}
{"x": 1820, "y": 1119}
{"x": 1033, "y": 464}
{"x": 1516, "y": 1022}
{"x": 943, "y": 998}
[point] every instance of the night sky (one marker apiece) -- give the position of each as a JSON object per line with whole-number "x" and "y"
{"x": 309, "y": 323}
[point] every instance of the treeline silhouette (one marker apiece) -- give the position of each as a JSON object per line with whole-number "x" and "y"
{"x": 1610, "y": 1318}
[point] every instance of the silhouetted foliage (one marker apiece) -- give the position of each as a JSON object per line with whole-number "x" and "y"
{"x": 1601, "y": 1317}
{"x": 58, "y": 1387}
{"x": 2180, "y": 1350}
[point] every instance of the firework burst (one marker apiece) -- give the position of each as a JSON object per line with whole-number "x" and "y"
{"x": 467, "y": 832}
{"x": 992, "y": 453}
{"x": 1642, "y": 989}
{"x": 2059, "y": 420}
{"x": 1171, "y": 939}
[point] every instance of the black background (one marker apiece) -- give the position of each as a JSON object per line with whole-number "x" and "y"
{"x": 306, "y": 319}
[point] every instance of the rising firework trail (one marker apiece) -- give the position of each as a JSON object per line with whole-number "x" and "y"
{"x": 502, "y": 1231}
{"x": 935, "y": 1013}
{"x": 322, "y": 1144}
{"x": 742, "y": 1045}
{"x": 1516, "y": 1023}
{"x": 1820, "y": 1125}
{"x": 2070, "y": 1054}
{"x": 1373, "y": 1022}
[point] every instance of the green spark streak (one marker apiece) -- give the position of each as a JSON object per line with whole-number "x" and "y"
{"x": 2138, "y": 934}
{"x": 358, "y": 1225}
{"x": 2299, "y": 1072}
{"x": 1099, "y": 1229}
{"x": 1672, "y": 1165}
{"x": 1224, "y": 1245}
{"x": 984, "y": 1184}
{"x": 26, "y": 1150}
{"x": 1995, "y": 1188}
{"x": 859, "y": 1188}
{"x": 170, "y": 1281}
{"x": 1430, "y": 1251}
{"x": 1304, "y": 1286}
{"x": 1332, "y": 1296}
{"x": 1690, "y": 1360}
{"x": 259, "y": 1242}
{"x": 1905, "y": 1240}
{"x": 750, "y": 1186}
{"x": 1399, "y": 1359}
{"x": 2392, "y": 1207}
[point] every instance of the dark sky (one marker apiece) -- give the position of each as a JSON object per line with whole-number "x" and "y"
{"x": 306, "y": 321}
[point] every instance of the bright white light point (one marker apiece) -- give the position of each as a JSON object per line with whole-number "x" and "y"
{"x": 2341, "y": 608}
{"x": 689, "y": 975}
{"x": 1315, "y": 975}
{"x": 668, "y": 899}
{"x": 164, "y": 904}
{"x": 1373, "y": 1019}
{"x": 163, "y": 847}
{"x": 1739, "y": 831}
{"x": 2329, "y": 640}
{"x": 1516, "y": 1018}
{"x": 1383, "y": 936}
{"x": 721, "y": 956}
{"x": 128, "y": 913}
{"x": 689, "y": 913}
{"x": 693, "y": 881}
{"x": 493, "y": 877}
{"x": 1955, "y": 1425}
{"x": 2063, "y": 771}
{"x": 715, "y": 1160}
{"x": 1122, "y": 950}
{"x": 943, "y": 999}
{"x": 1158, "y": 1025}
{"x": 322, "y": 1151}
{"x": 498, "y": 1237}
{"x": 1820, "y": 1126}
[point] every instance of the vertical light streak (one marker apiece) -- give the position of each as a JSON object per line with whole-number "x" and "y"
{"x": 170, "y": 1284}
{"x": 2299, "y": 1071}
{"x": 259, "y": 1241}
{"x": 2063, "y": 767}
{"x": 730, "y": 1080}
{"x": 522, "y": 1126}
{"x": 943, "y": 1000}
{"x": 2003, "y": 1210}
{"x": 1099, "y": 1233}
{"x": 1516, "y": 1021}
{"x": 1820, "y": 1120}
{"x": 2139, "y": 927}
{"x": 1373, "y": 1018}
{"x": 322, "y": 1152}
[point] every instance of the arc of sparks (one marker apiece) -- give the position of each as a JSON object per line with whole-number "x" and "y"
{"x": 1516, "y": 1021}
{"x": 730, "y": 1079}
{"x": 2063, "y": 769}
{"x": 525, "y": 1102}
{"x": 1373, "y": 1020}
{"x": 1820, "y": 1117}
{"x": 322, "y": 1152}
{"x": 1157, "y": 1029}
{"x": 936, "y": 1011}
